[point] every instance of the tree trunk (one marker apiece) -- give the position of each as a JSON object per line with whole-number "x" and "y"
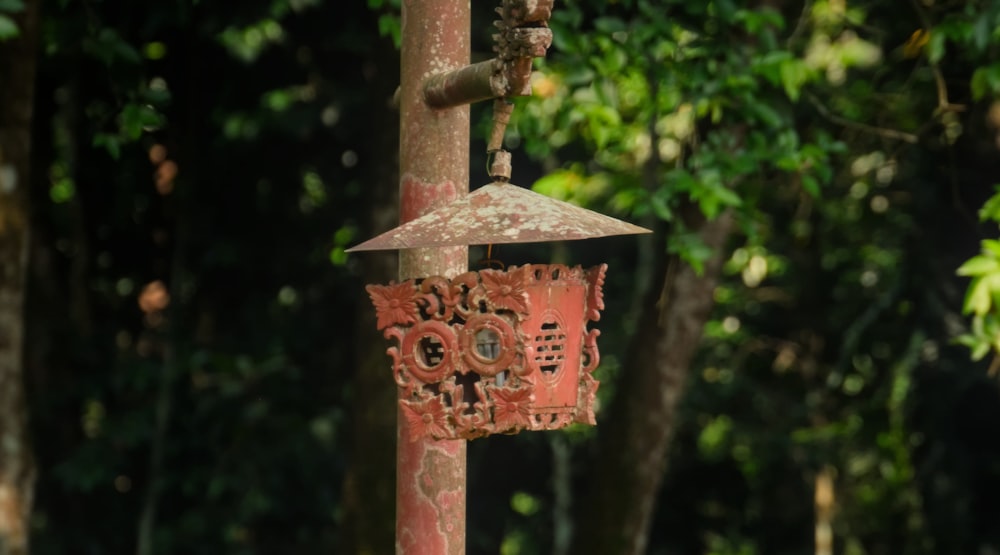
{"x": 634, "y": 437}
{"x": 17, "y": 466}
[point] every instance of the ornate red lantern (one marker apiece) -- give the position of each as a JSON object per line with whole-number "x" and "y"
{"x": 495, "y": 351}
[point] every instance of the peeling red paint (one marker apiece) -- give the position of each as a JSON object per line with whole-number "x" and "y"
{"x": 431, "y": 491}
{"x": 537, "y": 372}
{"x": 418, "y": 197}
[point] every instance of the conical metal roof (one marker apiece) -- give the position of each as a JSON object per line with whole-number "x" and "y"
{"x": 500, "y": 213}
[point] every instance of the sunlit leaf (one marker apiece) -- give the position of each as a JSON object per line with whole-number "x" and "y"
{"x": 991, "y": 247}
{"x": 558, "y": 184}
{"x": 978, "y": 298}
{"x": 978, "y": 266}
{"x": 991, "y": 208}
{"x": 980, "y": 350}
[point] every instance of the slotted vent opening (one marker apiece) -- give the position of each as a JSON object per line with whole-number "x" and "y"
{"x": 550, "y": 344}
{"x": 431, "y": 351}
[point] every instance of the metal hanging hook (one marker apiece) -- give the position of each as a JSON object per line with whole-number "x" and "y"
{"x": 499, "y": 159}
{"x": 523, "y": 34}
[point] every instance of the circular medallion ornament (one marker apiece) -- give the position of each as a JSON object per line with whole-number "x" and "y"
{"x": 487, "y": 342}
{"x": 427, "y": 351}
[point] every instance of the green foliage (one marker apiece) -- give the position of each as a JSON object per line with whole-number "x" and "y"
{"x": 524, "y": 503}
{"x": 982, "y": 298}
{"x": 132, "y": 122}
{"x": 793, "y": 121}
{"x": 718, "y": 545}
{"x": 171, "y": 151}
{"x": 342, "y": 240}
{"x": 247, "y": 43}
{"x": 635, "y": 91}
{"x": 8, "y": 28}
{"x": 516, "y": 543}
{"x": 986, "y": 82}
{"x": 389, "y": 20}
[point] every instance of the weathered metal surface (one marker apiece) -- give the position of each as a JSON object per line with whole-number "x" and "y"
{"x": 529, "y": 11}
{"x": 523, "y": 34}
{"x": 500, "y": 167}
{"x": 493, "y": 351}
{"x": 500, "y": 213}
{"x": 502, "y": 109}
{"x": 434, "y": 146}
{"x": 466, "y": 85}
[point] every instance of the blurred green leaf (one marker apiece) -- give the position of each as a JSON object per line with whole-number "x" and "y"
{"x": 524, "y": 503}
{"x": 8, "y": 29}
{"x": 794, "y": 74}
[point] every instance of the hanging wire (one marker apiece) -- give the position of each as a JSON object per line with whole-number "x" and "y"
{"x": 491, "y": 263}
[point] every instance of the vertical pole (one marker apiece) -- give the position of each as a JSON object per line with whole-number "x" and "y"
{"x": 434, "y": 170}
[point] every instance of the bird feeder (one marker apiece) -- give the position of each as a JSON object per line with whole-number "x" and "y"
{"x": 495, "y": 351}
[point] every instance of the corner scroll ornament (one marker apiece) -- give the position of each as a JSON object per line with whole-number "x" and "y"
{"x": 493, "y": 351}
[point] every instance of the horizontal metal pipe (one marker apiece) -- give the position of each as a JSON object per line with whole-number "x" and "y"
{"x": 465, "y": 85}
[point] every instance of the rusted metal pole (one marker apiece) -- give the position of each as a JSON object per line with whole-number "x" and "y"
{"x": 434, "y": 170}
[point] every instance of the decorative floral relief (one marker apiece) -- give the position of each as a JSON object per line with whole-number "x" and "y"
{"x": 505, "y": 290}
{"x": 395, "y": 304}
{"x": 426, "y": 418}
{"x": 511, "y": 408}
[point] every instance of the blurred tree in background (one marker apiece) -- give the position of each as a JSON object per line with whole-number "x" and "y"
{"x": 780, "y": 373}
{"x": 18, "y": 62}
